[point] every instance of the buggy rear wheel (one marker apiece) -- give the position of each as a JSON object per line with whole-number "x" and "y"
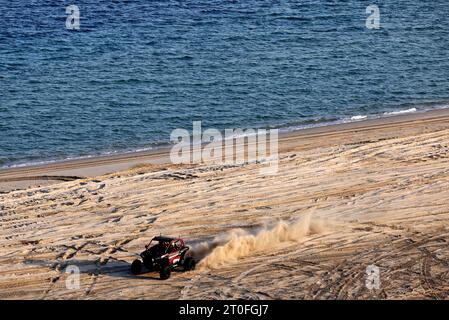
{"x": 136, "y": 266}
{"x": 165, "y": 273}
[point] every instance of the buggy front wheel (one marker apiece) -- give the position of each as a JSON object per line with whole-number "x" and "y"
{"x": 165, "y": 273}
{"x": 136, "y": 266}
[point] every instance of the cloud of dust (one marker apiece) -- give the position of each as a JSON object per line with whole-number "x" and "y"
{"x": 239, "y": 243}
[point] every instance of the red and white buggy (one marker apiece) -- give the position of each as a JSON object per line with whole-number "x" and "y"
{"x": 164, "y": 254}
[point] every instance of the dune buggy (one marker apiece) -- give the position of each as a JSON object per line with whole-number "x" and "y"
{"x": 164, "y": 254}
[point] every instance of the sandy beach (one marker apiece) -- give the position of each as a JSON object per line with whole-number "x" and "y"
{"x": 346, "y": 197}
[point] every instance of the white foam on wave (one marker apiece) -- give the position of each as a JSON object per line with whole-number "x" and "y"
{"x": 411, "y": 110}
{"x": 359, "y": 117}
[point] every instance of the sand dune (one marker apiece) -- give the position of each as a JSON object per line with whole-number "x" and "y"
{"x": 339, "y": 203}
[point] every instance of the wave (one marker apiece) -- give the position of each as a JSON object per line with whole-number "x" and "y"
{"x": 359, "y": 117}
{"x": 411, "y": 110}
{"x": 288, "y": 127}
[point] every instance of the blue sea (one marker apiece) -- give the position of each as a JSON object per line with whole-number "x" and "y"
{"x": 137, "y": 69}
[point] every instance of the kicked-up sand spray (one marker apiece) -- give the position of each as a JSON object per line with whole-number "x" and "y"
{"x": 239, "y": 243}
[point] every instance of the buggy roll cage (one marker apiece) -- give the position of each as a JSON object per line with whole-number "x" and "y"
{"x": 165, "y": 240}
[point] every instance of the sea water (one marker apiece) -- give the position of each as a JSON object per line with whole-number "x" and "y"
{"x": 137, "y": 69}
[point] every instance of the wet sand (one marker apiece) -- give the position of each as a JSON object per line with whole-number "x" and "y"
{"x": 378, "y": 189}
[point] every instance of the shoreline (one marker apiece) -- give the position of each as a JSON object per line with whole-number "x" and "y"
{"x": 42, "y": 174}
{"x": 344, "y": 198}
